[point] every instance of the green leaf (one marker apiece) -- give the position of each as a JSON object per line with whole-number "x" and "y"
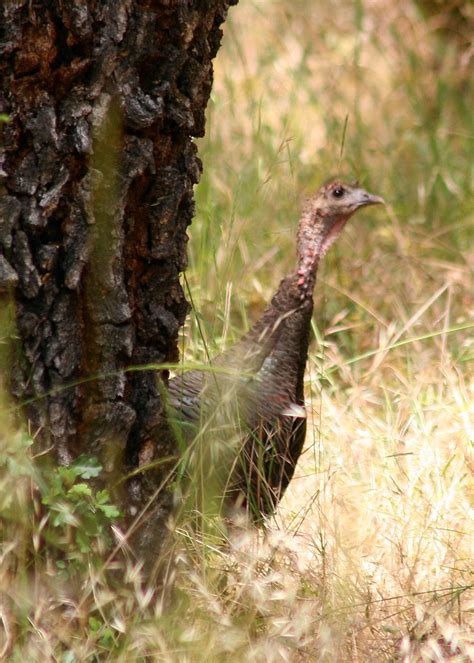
{"x": 107, "y": 638}
{"x": 109, "y": 510}
{"x": 64, "y": 515}
{"x": 94, "y": 623}
{"x": 79, "y": 489}
{"x": 83, "y": 542}
{"x": 87, "y": 467}
{"x": 102, "y": 496}
{"x": 67, "y": 475}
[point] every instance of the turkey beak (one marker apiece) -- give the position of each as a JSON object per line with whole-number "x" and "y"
{"x": 366, "y": 198}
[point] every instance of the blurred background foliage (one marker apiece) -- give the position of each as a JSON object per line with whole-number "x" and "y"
{"x": 304, "y": 90}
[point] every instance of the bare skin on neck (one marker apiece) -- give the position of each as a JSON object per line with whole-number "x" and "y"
{"x": 323, "y": 219}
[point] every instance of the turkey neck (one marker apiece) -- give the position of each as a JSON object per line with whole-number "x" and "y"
{"x": 295, "y": 292}
{"x": 310, "y": 248}
{"x": 286, "y": 320}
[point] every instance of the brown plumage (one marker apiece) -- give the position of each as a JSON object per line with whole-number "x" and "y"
{"x": 260, "y": 379}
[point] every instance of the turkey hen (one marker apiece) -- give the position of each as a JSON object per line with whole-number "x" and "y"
{"x": 254, "y": 390}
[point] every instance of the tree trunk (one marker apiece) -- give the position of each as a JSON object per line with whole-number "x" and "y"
{"x": 97, "y": 178}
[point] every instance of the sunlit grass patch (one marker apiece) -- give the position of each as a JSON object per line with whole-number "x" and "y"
{"x": 382, "y": 502}
{"x": 383, "y": 506}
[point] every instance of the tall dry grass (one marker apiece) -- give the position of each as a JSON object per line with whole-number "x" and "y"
{"x": 380, "y": 514}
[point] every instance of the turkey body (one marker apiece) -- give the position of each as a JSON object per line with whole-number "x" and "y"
{"x": 263, "y": 376}
{"x": 256, "y": 388}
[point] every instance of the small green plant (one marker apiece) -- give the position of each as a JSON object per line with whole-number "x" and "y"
{"x": 78, "y": 517}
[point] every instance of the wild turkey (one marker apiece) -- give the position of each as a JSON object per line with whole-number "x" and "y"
{"x": 260, "y": 379}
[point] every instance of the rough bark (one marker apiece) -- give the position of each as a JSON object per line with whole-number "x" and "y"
{"x": 97, "y": 173}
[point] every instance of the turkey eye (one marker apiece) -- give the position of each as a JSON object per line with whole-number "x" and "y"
{"x": 338, "y": 192}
